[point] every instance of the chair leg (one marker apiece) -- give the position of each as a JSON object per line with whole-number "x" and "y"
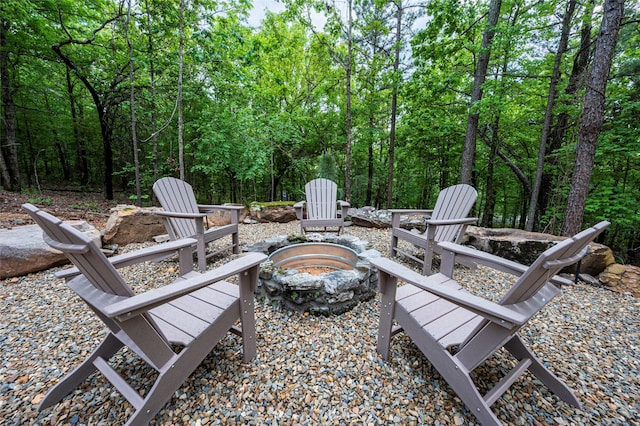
{"x": 460, "y": 381}
{"x": 388, "y": 286}
{"x": 519, "y": 350}
{"x": 247, "y": 314}
{"x": 168, "y": 381}
{"x": 202, "y": 254}
{"x": 201, "y": 246}
{"x": 394, "y": 245}
{"x": 235, "y": 240}
{"x": 174, "y": 374}
{"x": 428, "y": 258}
{"x": 453, "y": 372}
{"x": 109, "y": 346}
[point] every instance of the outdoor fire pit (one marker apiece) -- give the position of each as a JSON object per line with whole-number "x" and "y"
{"x": 316, "y": 273}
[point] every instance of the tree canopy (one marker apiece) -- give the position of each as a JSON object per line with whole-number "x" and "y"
{"x": 113, "y": 94}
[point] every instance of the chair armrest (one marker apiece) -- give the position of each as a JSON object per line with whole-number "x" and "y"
{"x": 234, "y": 211}
{"x": 211, "y": 207}
{"x": 410, "y": 211}
{"x": 142, "y": 303}
{"x": 502, "y": 315}
{"x": 452, "y": 250}
{"x": 138, "y": 256}
{"x": 343, "y": 208}
{"x": 460, "y": 221}
{"x": 481, "y": 257}
{"x": 299, "y": 207}
{"x": 179, "y": 215}
{"x": 397, "y": 213}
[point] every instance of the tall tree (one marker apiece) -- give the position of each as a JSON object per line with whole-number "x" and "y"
{"x": 152, "y": 81}
{"x": 592, "y": 115}
{"x": 180, "y": 88}
{"x": 482, "y": 64}
{"x": 548, "y": 114}
{"x": 565, "y": 119}
{"x": 132, "y": 105}
{"x": 349, "y": 71}
{"x": 394, "y": 101}
{"x": 105, "y": 99}
{"x": 9, "y": 169}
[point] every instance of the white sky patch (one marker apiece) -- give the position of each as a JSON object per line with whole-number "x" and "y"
{"x": 259, "y": 8}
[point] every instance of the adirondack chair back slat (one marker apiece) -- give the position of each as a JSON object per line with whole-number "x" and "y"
{"x": 178, "y": 200}
{"x": 321, "y": 211}
{"x": 537, "y": 275}
{"x": 451, "y": 213}
{"x": 453, "y": 202}
{"x": 532, "y": 291}
{"x": 458, "y": 331}
{"x": 321, "y": 199}
{"x": 177, "y": 196}
{"x": 172, "y": 328}
{"x": 92, "y": 263}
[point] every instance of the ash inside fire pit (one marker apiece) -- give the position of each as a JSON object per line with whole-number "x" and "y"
{"x": 317, "y": 273}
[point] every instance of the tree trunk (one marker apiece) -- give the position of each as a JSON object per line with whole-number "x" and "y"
{"x": 81, "y": 150}
{"x": 152, "y": 78}
{"x": 394, "y": 103}
{"x": 370, "y": 171}
{"x": 180, "y": 71}
{"x": 132, "y": 100}
{"x": 103, "y": 108}
{"x": 490, "y": 191}
{"x": 103, "y": 118}
{"x": 548, "y": 115}
{"x": 9, "y": 166}
{"x": 592, "y": 115}
{"x": 469, "y": 150}
{"x": 59, "y": 143}
{"x": 347, "y": 178}
{"x": 575, "y": 83}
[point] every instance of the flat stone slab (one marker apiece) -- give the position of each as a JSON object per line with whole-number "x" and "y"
{"x": 23, "y": 251}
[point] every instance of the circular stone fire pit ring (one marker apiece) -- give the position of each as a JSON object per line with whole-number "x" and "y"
{"x": 316, "y": 274}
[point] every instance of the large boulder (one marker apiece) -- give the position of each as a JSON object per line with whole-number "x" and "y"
{"x": 369, "y": 217}
{"x": 23, "y": 251}
{"x": 622, "y": 278}
{"x": 131, "y": 224}
{"x": 525, "y": 247}
{"x": 223, "y": 217}
{"x": 272, "y": 212}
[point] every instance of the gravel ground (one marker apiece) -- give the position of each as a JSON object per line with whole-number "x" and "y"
{"x": 317, "y": 370}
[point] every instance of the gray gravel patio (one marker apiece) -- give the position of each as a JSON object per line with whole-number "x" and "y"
{"x": 320, "y": 370}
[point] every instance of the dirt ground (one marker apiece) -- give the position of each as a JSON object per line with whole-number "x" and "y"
{"x": 67, "y": 205}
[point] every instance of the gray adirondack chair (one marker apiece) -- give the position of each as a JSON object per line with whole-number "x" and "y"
{"x": 185, "y": 218}
{"x": 457, "y": 331}
{"x": 447, "y": 222}
{"x": 321, "y": 205}
{"x": 196, "y": 311}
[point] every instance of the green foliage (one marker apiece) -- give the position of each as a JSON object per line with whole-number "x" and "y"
{"x": 328, "y": 168}
{"x": 85, "y": 206}
{"x": 134, "y": 197}
{"x": 40, "y": 200}
{"x": 264, "y": 109}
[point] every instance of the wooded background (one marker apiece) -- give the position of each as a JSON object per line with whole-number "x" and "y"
{"x": 535, "y": 103}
